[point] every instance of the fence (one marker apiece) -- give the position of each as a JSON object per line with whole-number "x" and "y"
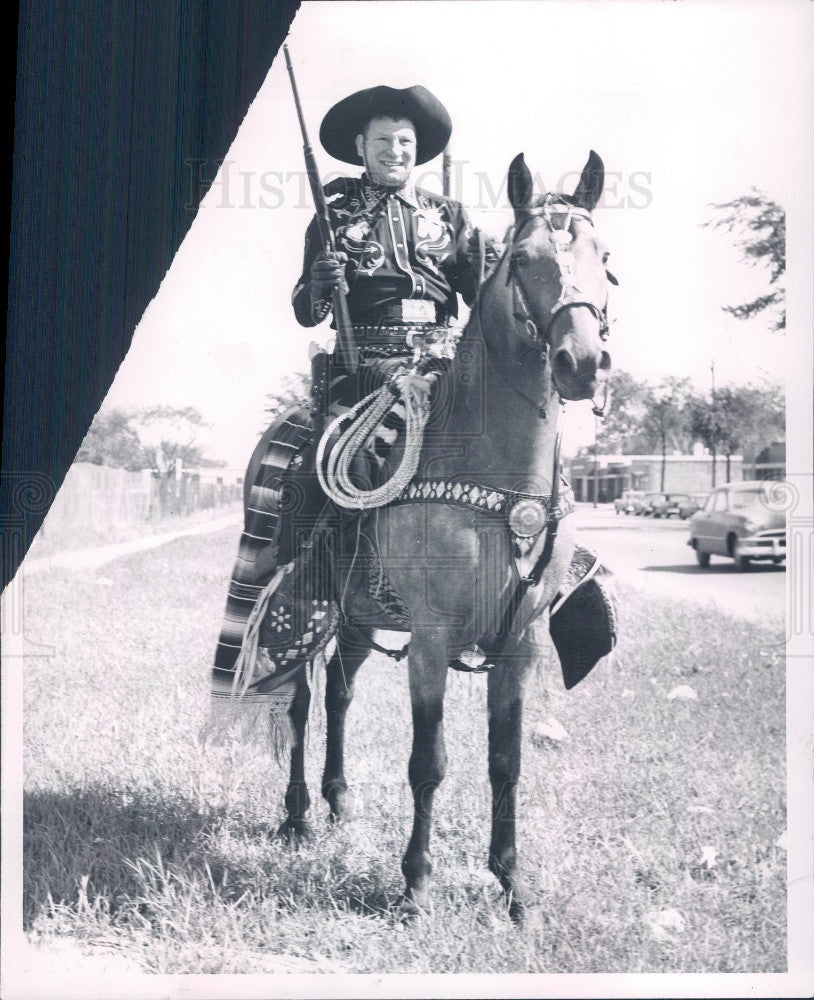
{"x": 102, "y": 497}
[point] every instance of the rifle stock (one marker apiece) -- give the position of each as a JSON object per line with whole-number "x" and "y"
{"x": 344, "y": 328}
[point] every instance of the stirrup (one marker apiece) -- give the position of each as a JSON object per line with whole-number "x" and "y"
{"x": 471, "y": 661}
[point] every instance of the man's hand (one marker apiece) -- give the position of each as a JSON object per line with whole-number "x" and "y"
{"x": 491, "y": 248}
{"x": 328, "y": 273}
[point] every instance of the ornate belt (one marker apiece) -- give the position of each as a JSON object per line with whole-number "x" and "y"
{"x": 387, "y": 332}
{"x": 434, "y": 339}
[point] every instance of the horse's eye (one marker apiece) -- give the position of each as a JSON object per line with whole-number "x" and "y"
{"x": 605, "y": 257}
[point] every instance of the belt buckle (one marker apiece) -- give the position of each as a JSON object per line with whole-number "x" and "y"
{"x": 417, "y": 311}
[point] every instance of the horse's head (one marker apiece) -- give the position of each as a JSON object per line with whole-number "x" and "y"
{"x": 556, "y": 278}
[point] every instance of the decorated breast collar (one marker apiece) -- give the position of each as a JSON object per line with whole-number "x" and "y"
{"x": 526, "y": 514}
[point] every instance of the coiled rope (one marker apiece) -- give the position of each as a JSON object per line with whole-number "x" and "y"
{"x": 409, "y": 389}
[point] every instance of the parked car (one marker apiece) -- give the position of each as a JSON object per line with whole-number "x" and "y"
{"x": 736, "y": 521}
{"x": 637, "y": 504}
{"x": 649, "y": 502}
{"x": 694, "y": 502}
{"x": 667, "y": 504}
{"x": 627, "y": 502}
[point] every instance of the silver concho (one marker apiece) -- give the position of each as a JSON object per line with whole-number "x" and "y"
{"x": 527, "y": 518}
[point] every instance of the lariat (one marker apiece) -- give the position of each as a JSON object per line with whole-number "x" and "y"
{"x": 410, "y": 390}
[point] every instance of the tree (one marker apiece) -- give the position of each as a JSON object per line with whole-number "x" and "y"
{"x": 621, "y": 430}
{"x": 760, "y": 226}
{"x": 151, "y": 438}
{"x": 169, "y": 433}
{"x": 739, "y": 418}
{"x": 766, "y": 406}
{"x": 112, "y": 441}
{"x": 294, "y": 391}
{"x": 718, "y": 423}
{"x": 666, "y": 416}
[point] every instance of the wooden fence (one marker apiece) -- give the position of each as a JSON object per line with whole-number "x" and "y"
{"x": 102, "y": 497}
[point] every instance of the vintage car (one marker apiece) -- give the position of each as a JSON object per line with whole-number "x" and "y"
{"x": 628, "y": 501}
{"x": 738, "y": 521}
{"x": 649, "y": 502}
{"x": 667, "y": 504}
{"x": 694, "y": 502}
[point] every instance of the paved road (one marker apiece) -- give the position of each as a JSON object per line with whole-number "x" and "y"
{"x": 654, "y": 554}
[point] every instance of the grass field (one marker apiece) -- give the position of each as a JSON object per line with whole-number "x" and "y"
{"x": 649, "y": 834}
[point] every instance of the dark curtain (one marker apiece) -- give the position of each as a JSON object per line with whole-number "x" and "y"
{"x": 123, "y": 111}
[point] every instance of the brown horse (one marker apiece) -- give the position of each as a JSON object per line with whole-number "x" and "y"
{"x": 534, "y": 338}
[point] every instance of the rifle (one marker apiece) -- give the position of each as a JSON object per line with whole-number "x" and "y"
{"x": 344, "y": 328}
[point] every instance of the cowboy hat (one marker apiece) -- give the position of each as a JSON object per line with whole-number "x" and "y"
{"x": 350, "y": 116}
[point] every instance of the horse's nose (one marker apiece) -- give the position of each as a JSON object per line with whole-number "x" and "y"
{"x": 605, "y": 362}
{"x": 565, "y": 364}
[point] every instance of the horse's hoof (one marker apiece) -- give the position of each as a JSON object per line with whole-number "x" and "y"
{"x": 340, "y": 807}
{"x": 295, "y": 831}
{"x": 413, "y": 904}
{"x": 517, "y": 909}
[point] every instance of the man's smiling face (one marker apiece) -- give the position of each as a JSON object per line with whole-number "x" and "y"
{"x": 388, "y": 149}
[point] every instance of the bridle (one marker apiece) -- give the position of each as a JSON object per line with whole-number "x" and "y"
{"x": 564, "y": 258}
{"x": 570, "y": 296}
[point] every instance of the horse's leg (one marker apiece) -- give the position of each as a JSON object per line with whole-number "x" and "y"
{"x": 297, "y": 800}
{"x": 351, "y": 652}
{"x": 505, "y": 707}
{"x": 428, "y": 760}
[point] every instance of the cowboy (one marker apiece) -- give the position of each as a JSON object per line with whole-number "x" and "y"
{"x": 403, "y": 254}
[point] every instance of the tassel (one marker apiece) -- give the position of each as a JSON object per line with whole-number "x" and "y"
{"x": 281, "y": 730}
{"x": 247, "y": 658}
{"x": 235, "y": 720}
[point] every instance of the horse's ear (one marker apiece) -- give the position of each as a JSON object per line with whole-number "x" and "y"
{"x": 520, "y": 183}
{"x": 589, "y": 189}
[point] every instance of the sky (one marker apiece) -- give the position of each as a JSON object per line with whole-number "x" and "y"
{"x": 688, "y": 104}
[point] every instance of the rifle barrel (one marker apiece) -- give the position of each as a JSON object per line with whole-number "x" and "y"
{"x": 344, "y": 329}
{"x": 296, "y": 92}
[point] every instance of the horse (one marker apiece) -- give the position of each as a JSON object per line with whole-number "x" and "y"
{"x": 534, "y": 338}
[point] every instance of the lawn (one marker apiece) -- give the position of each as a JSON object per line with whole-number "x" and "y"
{"x": 649, "y": 834}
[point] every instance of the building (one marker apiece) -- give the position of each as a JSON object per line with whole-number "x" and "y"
{"x": 615, "y": 473}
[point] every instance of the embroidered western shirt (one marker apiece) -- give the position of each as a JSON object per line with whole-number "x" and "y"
{"x": 405, "y": 244}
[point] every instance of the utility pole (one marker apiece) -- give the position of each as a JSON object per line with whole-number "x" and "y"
{"x": 714, "y": 426}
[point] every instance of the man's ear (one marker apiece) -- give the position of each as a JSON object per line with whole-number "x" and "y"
{"x": 360, "y": 146}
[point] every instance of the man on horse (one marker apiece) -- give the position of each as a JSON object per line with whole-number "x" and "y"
{"x": 389, "y": 261}
{"x": 401, "y": 255}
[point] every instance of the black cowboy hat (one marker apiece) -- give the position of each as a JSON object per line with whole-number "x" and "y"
{"x": 348, "y": 118}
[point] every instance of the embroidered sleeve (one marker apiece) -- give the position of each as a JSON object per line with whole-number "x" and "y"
{"x": 465, "y": 277}
{"x": 309, "y": 310}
